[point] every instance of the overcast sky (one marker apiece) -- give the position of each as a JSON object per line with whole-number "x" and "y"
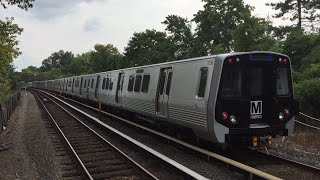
{"x": 77, "y": 25}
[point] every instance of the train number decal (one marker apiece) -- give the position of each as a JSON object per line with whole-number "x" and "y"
{"x": 256, "y": 109}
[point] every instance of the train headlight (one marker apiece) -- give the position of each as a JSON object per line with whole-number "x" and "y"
{"x": 281, "y": 116}
{"x": 233, "y": 119}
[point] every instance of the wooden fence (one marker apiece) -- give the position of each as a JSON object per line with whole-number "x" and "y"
{"x": 7, "y": 108}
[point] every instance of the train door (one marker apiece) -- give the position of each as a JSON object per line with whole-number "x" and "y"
{"x": 88, "y": 86}
{"x": 81, "y": 86}
{"x": 72, "y": 85}
{"x": 163, "y": 92}
{"x": 67, "y": 85}
{"x": 97, "y": 87}
{"x": 119, "y": 88}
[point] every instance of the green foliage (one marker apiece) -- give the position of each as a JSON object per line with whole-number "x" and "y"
{"x": 57, "y": 60}
{"x": 8, "y": 51}
{"x": 149, "y": 47}
{"x": 8, "y": 41}
{"x": 298, "y": 45}
{"x": 5, "y": 81}
{"x": 302, "y": 11}
{"x": 79, "y": 65}
{"x": 180, "y": 35}
{"x": 216, "y": 23}
{"x": 23, "y": 4}
{"x": 254, "y": 34}
{"x": 307, "y": 92}
{"x": 312, "y": 71}
{"x": 105, "y": 58}
{"x": 312, "y": 58}
{"x": 55, "y": 73}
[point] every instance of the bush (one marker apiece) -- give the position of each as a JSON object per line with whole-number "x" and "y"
{"x": 307, "y": 93}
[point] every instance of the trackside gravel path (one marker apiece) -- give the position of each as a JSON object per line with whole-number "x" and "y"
{"x": 30, "y": 154}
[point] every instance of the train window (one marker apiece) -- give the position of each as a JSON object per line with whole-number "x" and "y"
{"x": 162, "y": 81}
{"x": 169, "y": 83}
{"x": 137, "y": 83}
{"x": 110, "y": 85}
{"x": 231, "y": 82}
{"x": 85, "y": 83}
{"x": 282, "y": 81}
{"x": 92, "y": 81}
{"x": 104, "y": 83}
{"x": 131, "y": 82}
{"x": 107, "y": 84}
{"x": 145, "y": 83}
{"x": 203, "y": 82}
{"x": 98, "y": 82}
{"x": 255, "y": 77}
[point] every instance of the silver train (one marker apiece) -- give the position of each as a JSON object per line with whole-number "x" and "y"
{"x": 230, "y": 99}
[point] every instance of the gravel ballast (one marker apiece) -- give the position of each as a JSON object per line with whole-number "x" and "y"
{"x": 30, "y": 154}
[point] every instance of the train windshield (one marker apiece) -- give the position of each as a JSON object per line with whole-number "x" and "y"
{"x": 282, "y": 81}
{"x": 250, "y": 81}
{"x": 231, "y": 82}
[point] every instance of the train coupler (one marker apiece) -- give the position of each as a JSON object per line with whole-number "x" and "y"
{"x": 261, "y": 141}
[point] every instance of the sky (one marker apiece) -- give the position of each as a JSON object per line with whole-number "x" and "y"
{"x": 77, "y": 25}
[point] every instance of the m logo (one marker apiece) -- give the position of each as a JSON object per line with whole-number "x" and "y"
{"x": 256, "y": 107}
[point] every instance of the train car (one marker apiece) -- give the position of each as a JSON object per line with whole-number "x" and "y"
{"x": 235, "y": 98}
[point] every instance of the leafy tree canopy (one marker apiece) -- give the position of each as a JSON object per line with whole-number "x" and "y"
{"x": 23, "y": 4}
{"x": 216, "y": 23}
{"x": 304, "y": 12}
{"x": 57, "y": 60}
{"x": 254, "y": 34}
{"x": 180, "y": 34}
{"x": 298, "y": 45}
{"x": 105, "y": 58}
{"x": 149, "y": 47}
{"x": 8, "y": 41}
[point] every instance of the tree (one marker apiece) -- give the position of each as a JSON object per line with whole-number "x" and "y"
{"x": 306, "y": 93}
{"x": 23, "y": 4}
{"x": 80, "y": 65}
{"x": 215, "y": 24}
{"x": 298, "y": 45}
{"x": 104, "y": 58}
{"x": 8, "y": 51}
{"x": 149, "y": 47}
{"x": 312, "y": 58}
{"x": 302, "y": 11}
{"x": 180, "y": 34}
{"x": 57, "y": 60}
{"x": 8, "y": 41}
{"x": 254, "y": 34}
{"x": 8, "y": 46}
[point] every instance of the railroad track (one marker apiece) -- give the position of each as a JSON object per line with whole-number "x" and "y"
{"x": 247, "y": 170}
{"x": 181, "y": 170}
{"x": 257, "y": 159}
{"x": 285, "y": 168}
{"x": 95, "y": 156}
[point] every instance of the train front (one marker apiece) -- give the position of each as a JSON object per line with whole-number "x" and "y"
{"x": 255, "y": 98}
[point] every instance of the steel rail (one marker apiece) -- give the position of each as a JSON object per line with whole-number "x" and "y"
{"x": 239, "y": 165}
{"x": 105, "y": 140}
{"x": 309, "y": 116}
{"x": 313, "y": 168}
{"x": 85, "y": 170}
{"x": 175, "y": 164}
{"x": 307, "y": 125}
